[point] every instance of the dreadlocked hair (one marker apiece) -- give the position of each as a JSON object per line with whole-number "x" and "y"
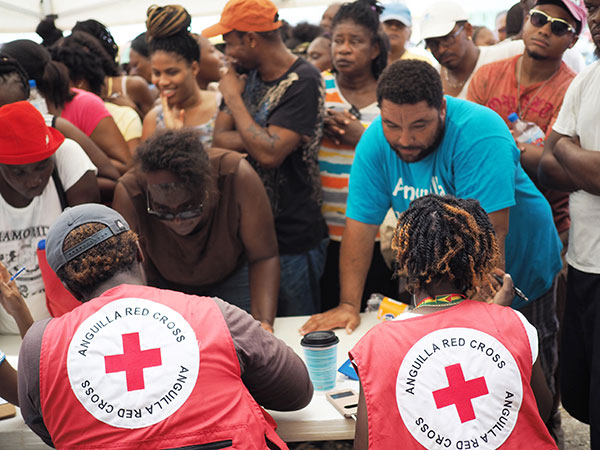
{"x": 366, "y": 14}
{"x": 11, "y": 71}
{"x": 84, "y": 273}
{"x": 181, "y": 153}
{"x": 444, "y": 238}
{"x": 167, "y": 30}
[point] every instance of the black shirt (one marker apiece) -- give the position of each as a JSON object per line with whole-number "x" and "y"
{"x": 295, "y": 101}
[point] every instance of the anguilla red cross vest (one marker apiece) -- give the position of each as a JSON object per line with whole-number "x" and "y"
{"x": 143, "y": 368}
{"x": 454, "y": 379}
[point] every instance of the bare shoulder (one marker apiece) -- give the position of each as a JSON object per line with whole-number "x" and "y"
{"x": 136, "y": 83}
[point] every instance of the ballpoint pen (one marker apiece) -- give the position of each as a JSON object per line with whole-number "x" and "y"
{"x": 19, "y": 272}
{"x": 518, "y": 292}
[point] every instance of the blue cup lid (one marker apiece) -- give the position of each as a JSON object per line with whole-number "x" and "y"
{"x": 319, "y": 339}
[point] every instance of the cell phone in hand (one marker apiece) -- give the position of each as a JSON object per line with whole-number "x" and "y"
{"x": 345, "y": 401}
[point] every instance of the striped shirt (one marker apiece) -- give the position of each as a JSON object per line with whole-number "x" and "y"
{"x": 335, "y": 161}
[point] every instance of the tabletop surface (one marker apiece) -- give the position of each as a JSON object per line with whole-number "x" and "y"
{"x": 317, "y": 421}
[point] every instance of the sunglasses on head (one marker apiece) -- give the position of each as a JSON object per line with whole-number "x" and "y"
{"x": 559, "y": 27}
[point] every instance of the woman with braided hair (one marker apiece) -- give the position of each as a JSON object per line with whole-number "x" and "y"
{"x": 86, "y": 71}
{"x": 453, "y": 370}
{"x": 174, "y": 56}
{"x": 120, "y": 89}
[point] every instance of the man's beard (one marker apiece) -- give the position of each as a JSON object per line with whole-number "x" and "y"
{"x": 536, "y": 56}
{"x": 425, "y": 151}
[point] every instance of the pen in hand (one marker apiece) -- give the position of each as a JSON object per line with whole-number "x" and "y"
{"x": 19, "y": 272}
{"x": 518, "y": 292}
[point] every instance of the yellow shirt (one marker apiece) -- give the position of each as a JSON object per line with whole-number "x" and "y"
{"x": 128, "y": 121}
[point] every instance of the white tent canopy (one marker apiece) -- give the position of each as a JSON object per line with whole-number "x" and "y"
{"x": 22, "y": 16}
{"x": 126, "y": 18}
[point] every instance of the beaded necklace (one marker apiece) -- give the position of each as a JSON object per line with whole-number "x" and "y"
{"x": 441, "y": 300}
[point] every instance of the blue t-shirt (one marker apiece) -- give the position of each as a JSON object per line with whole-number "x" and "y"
{"x": 477, "y": 158}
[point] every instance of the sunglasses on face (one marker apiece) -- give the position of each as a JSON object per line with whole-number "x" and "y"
{"x": 189, "y": 214}
{"x": 446, "y": 41}
{"x": 559, "y": 27}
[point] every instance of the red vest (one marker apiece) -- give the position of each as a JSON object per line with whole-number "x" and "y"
{"x": 458, "y": 378}
{"x": 142, "y": 368}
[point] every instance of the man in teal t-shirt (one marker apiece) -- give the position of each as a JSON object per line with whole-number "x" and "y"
{"x": 475, "y": 158}
{"x": 425, "y": 143}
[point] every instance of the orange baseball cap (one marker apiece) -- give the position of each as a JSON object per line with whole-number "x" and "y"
{"x": 245, "y": 15}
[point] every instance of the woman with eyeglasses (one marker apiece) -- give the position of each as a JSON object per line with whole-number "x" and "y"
{"x": 359, "y": 55}
{"x": 204, "y": 222}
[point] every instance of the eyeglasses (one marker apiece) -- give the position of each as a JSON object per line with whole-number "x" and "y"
{"x": 446, "y": 41}
{"x": 559, "y": 27}
{"x": 189, "y": 214}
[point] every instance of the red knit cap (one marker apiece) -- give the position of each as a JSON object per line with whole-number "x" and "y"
{"x": 24, "y": 136}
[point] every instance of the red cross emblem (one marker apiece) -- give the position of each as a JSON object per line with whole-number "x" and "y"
{"x": 133, "y": 361}
{"x": 460, "y": 392}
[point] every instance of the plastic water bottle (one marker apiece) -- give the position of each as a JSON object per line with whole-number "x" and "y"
{"x": 528, "y": 132}
{"x": 36, "y": 99}
{"x": 387, "y": 308}
{"x": 373, "y": 302}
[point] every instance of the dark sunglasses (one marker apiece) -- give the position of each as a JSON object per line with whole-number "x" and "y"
{"x": 559, "y": 27}
{"x": 189, "y": 214}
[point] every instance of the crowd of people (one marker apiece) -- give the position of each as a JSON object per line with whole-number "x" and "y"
{"x": 207, "y": 187}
